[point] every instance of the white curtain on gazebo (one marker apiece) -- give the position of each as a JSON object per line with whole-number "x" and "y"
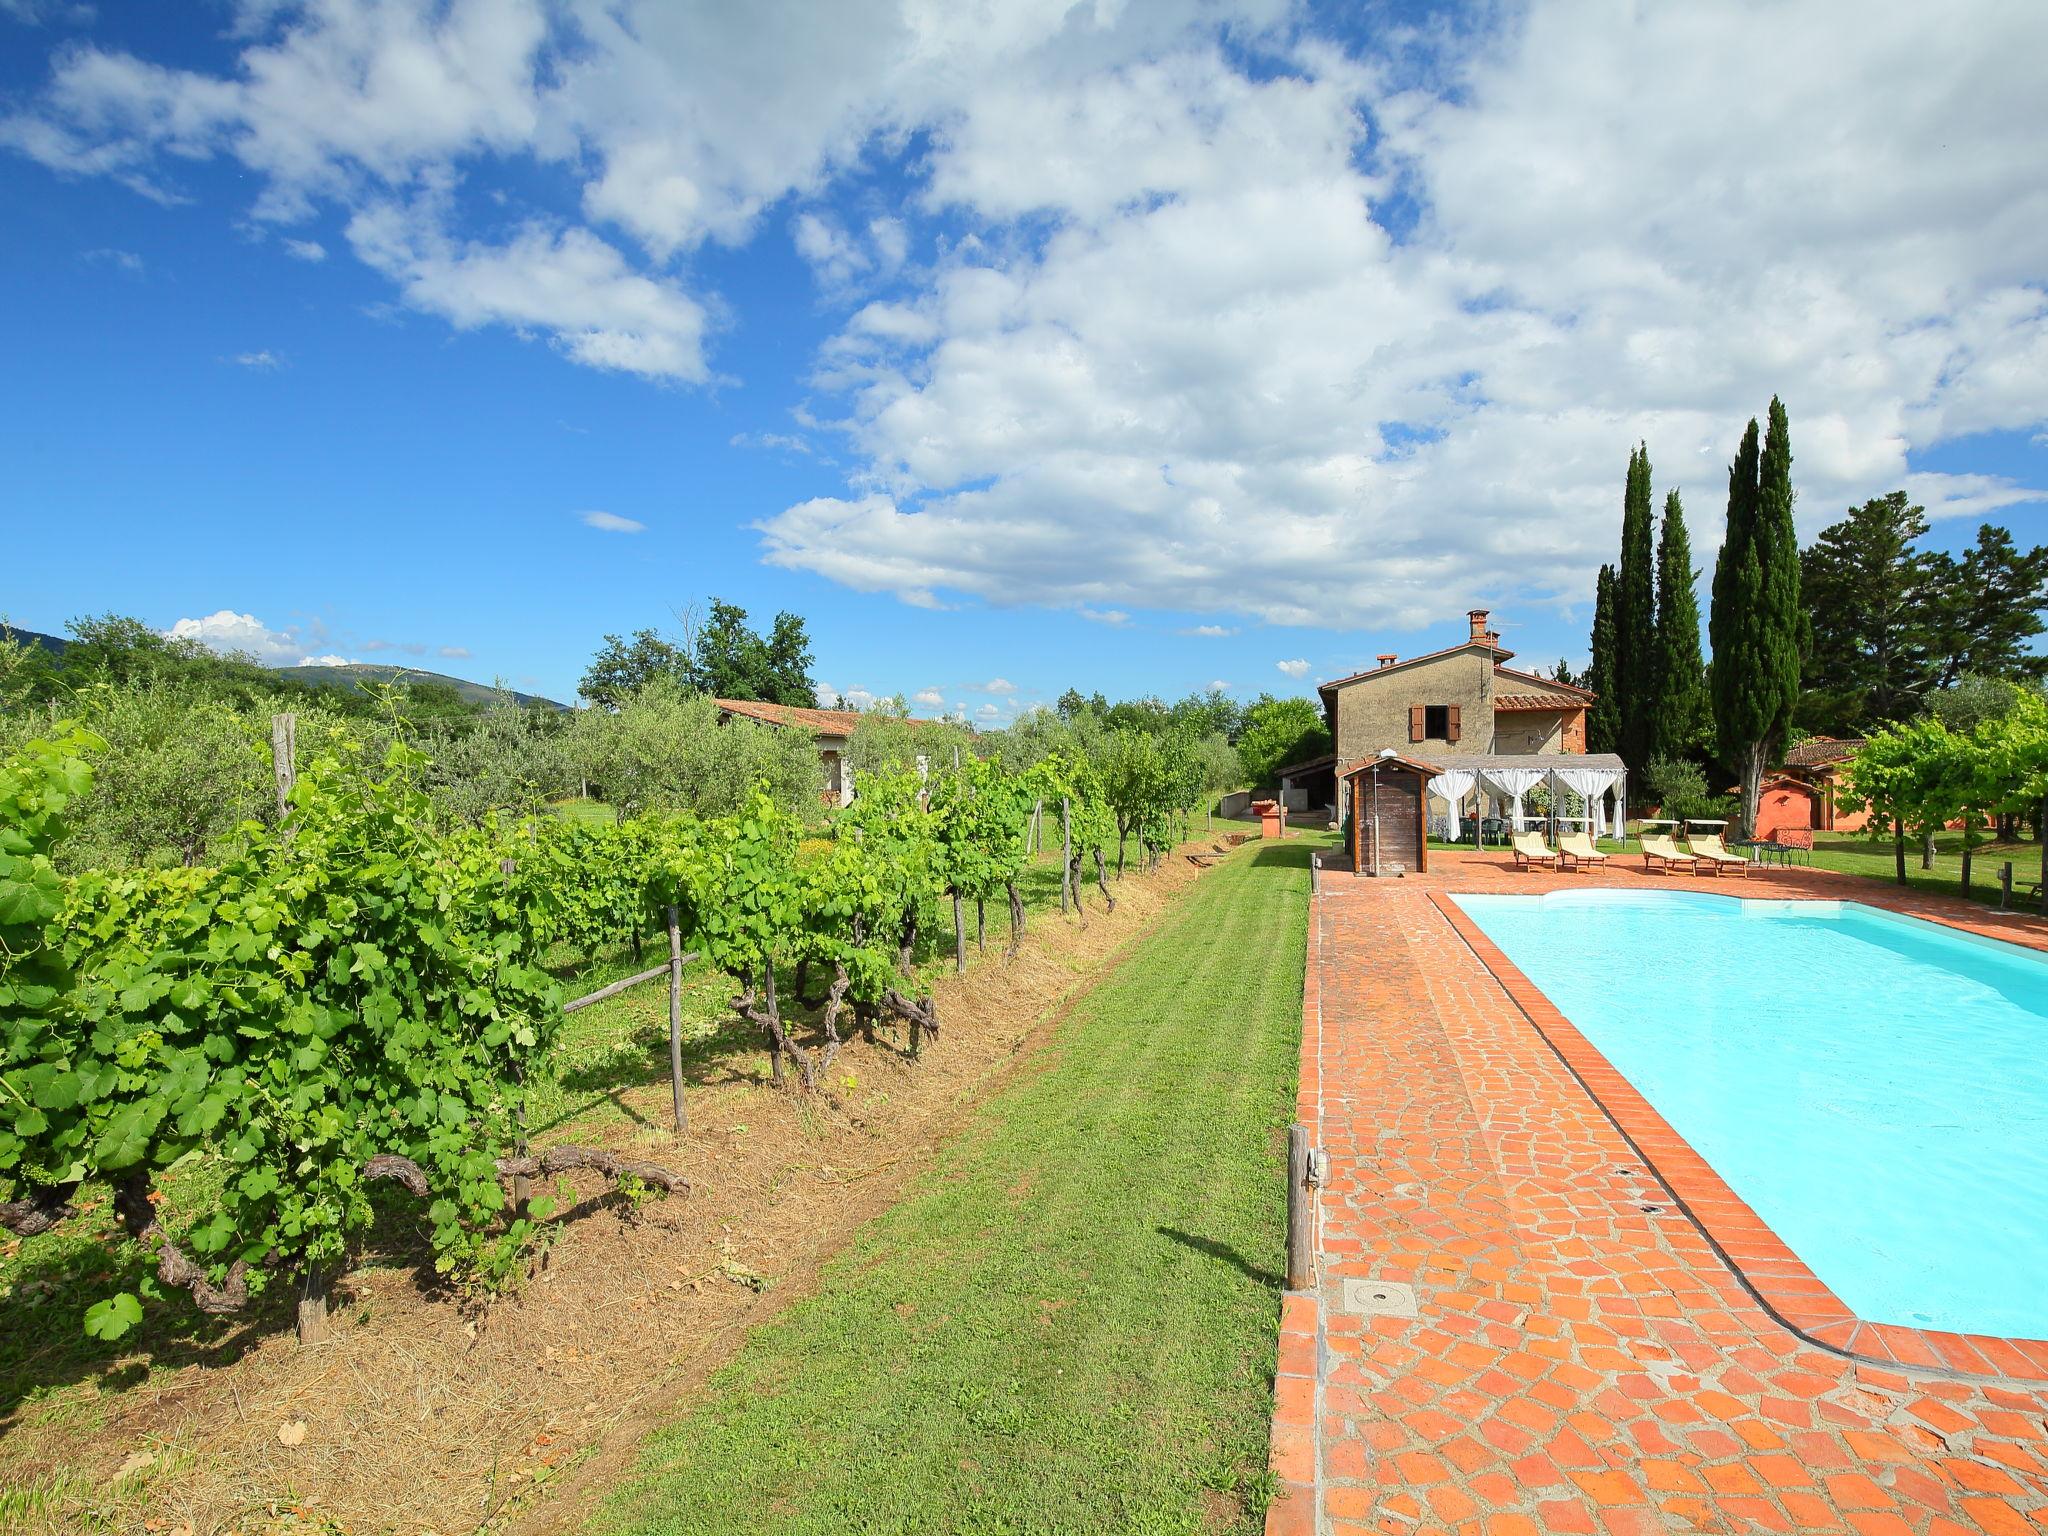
{"x": 1453, "y": 785}
{"x": 1512, "y": 782}
{"x": 1591, "y": 785}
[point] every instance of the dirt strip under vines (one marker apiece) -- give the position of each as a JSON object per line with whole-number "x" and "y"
{"x": 422, "y": 1415}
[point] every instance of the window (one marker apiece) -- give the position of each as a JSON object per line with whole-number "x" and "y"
{"x": 1433, "y": 722}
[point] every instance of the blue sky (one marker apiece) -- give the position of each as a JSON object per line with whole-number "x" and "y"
{"x": 1122, "y": 348}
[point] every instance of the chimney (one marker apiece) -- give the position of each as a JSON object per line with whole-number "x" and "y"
{"x": 1388, "y": 658}
{"x": 1480, "y": 631}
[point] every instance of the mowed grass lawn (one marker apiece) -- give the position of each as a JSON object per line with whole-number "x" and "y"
{"x": 1068, "y": 1322}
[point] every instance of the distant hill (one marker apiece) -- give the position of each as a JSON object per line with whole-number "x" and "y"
{"x": 54, "y": 644}
{"x": 352, "y": 672}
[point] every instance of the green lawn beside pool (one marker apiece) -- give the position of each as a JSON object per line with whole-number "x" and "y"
{"x": 1068, "y": 1323}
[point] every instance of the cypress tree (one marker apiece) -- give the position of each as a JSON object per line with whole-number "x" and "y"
{"x": 1678, "y": 713}
{"x": 1635, "y": 619}
{"x": 1756, "y": 621}
{"x": 1603, "y": 720}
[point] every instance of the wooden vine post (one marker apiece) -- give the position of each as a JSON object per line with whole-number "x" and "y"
{"x": 522, "y": 1190}
{"x": 1066, "y": 850}
{"x": 959, "y": 934}
{"x": 312, "y": 1304}
{"x": 284, "y": 743}
{"x": 675, "y": 1019}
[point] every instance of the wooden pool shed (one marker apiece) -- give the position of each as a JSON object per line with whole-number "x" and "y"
{"x": 1395, "y": 790}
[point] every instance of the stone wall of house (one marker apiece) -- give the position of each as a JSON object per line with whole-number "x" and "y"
{"x": 1538, "y": 730}
{"x": 1373, "y": 711}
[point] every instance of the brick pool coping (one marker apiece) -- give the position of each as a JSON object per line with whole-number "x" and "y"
{"x": 1586, "y": 1358}
{"x": 1776, "y": 1275}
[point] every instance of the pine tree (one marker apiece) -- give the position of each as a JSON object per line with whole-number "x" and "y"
{"x": 1756, "y": 623}
{"x": 1635, "y": 619}
{"x": 1679, "y": 713}
{"x": 1867, "y": 589}
{"x": 1985, "y": 609}
{"x": 1603, "y": 720}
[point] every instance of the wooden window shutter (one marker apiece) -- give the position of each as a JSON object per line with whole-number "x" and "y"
{"x": 1415, "y": 722}
{"x": 1451, "y": 733}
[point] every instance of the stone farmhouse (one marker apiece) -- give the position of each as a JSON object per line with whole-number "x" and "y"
{"x": 1483, "y": 724}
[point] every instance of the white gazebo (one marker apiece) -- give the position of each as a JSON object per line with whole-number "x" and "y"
{"x": 1508, "y": 779}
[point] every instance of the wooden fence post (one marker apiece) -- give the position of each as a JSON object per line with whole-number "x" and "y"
{"x": 1066, "y": 851}
{"x": 675, "y": 1019}
{"x": 1300, "y": 1217}
{"x": 959, "y": 935}
{"x": 522, "y": 1187}
{"x": 2005, "y": 886}
{"x": 284, "y": 743}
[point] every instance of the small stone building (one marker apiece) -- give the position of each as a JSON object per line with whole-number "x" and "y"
{"x": 831, "y": 729}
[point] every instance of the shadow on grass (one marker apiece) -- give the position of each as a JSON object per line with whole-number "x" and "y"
{"x": 1288, "y": 853}
{"x": 44, "y": 1346}
{"x": 1223, "y": 1253}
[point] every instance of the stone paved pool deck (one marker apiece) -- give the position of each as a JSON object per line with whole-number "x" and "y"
{"x": 1582, "y": 1358}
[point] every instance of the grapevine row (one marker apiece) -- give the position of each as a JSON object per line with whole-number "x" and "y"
{"x": 359, "y": 994}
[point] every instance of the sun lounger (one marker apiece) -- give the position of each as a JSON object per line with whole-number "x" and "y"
{"x": 1660, "y": 852}
{"x": 1709, "y": 852}
{"x": 1530, "y": 850}
{"x": 1577, "y": 848}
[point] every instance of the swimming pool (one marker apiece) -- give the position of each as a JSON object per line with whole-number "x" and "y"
{"x": 1873, "y": 1086}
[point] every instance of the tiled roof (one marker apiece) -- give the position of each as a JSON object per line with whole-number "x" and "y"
{"x": 1535, "y": 701}
{"x": 1306, "y": 765}
{"x": 1551, "y": 683}
{"x": 819, "y": 722}
{"x": 1409, "y": 661}
{"x": 1414, "y": 764}
{"x": 1819, "y": 751}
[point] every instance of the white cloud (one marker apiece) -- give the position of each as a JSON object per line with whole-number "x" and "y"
{"x": 1295, "y": 668}
{"x": 839, "y": 256}
{"x": 262, "y": 362}
{"x": 988, "y": 712}
{"x": 454, "y": 652}
{"x": 323, "y": 661}
{"x": 1218, "y": 685}
{"x": 998, "y": 685}
{"x": 305, "y": 250}
{"x": 782, "y": 441}
{"x": 930, "y": 698}
{"x": 856, "y": 697}
{"x": 1326, "y": 339}
{"x": 232, "y": 633}
{"x": 39, "y": 13}
{"x": 109, "y": 256}
{"x": 1221, "y": 381}
{"x": 1110, "y": 616}
{"x": 610, "y": 522}
{"x": 566, "y": 283}
{"x": 1211, "y": 631}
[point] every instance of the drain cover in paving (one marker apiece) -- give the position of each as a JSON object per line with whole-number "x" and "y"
{"x": 1382, "y": 1298}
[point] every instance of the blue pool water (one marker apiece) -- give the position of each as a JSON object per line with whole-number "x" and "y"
{"x": 1874, "y": 1086}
